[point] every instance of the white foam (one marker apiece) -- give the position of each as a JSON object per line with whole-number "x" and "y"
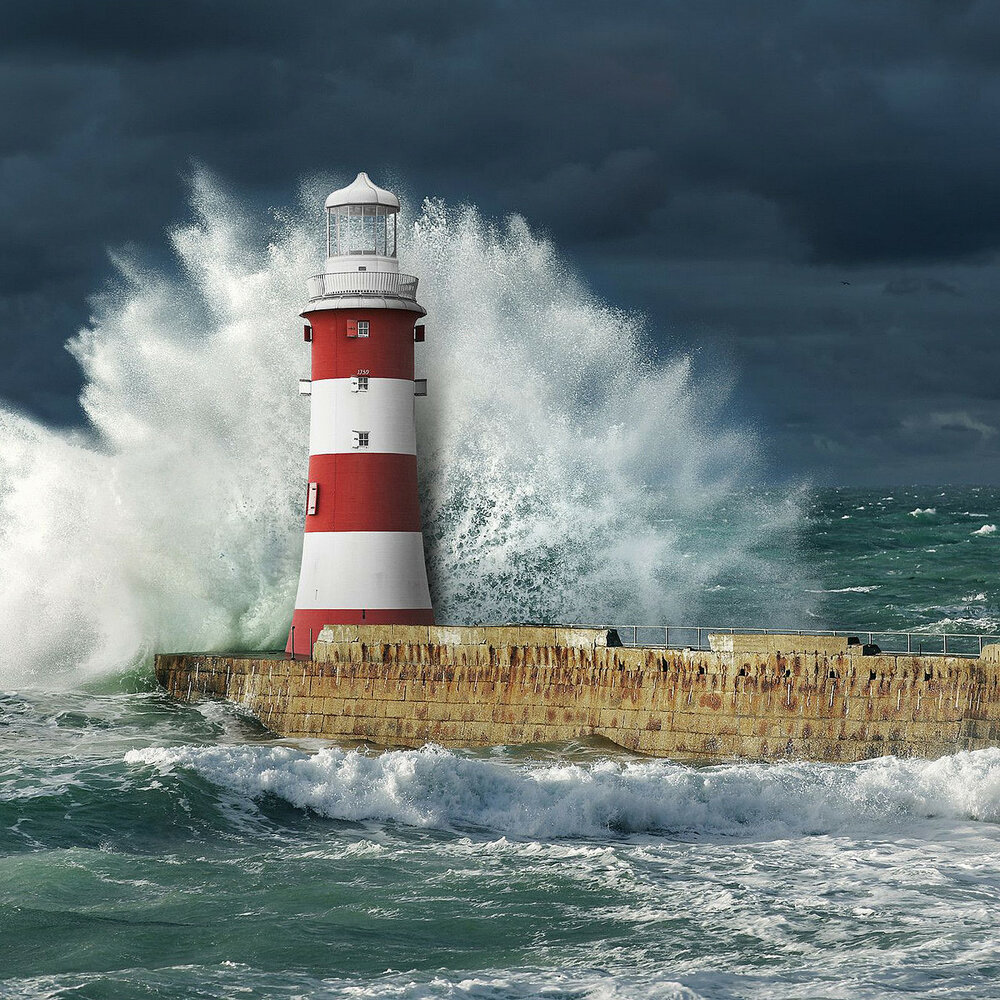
{"x": 551, "y": 446}
{"x": 923, "y": 510}
{"x": 436, "y": 788}
{"x": 986, "y": 529}
{"x": 636, "y": 978}
{"x": 588, "y": 983}
{"x": 959, "y": 620}
{"x": 848, "y": 590}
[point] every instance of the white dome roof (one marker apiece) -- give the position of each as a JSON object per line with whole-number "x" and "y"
{"x": 362, "y": 192}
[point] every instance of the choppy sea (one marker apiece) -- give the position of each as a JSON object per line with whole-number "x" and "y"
{"x": 149, "y": 849}
{"x": 569, "y": 472}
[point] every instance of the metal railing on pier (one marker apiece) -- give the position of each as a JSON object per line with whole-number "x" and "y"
{"x": 913, "y": 643}
{"x": 389, "y": 284}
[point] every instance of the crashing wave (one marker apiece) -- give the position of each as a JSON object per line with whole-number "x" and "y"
{"x": 439, "y": 789}
{"x": 566, "y": 475}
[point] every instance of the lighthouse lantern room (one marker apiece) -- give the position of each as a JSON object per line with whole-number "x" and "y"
{"x": 363, "y": 552}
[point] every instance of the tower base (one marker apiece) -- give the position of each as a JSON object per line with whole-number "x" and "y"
{"x": 307, "y": 623}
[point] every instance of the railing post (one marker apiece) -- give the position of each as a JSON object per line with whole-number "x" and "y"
{"x": 946, "y": 644}
{"x": 699, "y": 638}
{"x": 635, "y": 635}
{"x": 666, "y": 635}
{"x": 870, "y": 639}
{"x": 908, "y": 637}
{"x": 291, "y": 645}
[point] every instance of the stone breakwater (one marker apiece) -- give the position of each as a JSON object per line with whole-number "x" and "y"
{"x": 751, "y": 696}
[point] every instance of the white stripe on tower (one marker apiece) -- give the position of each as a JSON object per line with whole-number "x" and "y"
{"x": 385, "y": 411}
{"x": 387, "y": 570}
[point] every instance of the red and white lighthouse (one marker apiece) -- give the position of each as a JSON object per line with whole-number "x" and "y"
{"x": 363, "y": 555}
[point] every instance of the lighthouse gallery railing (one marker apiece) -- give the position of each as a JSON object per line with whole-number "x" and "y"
{"x": 389, "y": 284}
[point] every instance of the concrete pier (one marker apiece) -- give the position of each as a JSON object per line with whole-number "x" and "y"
{"x": 750, "y": 696}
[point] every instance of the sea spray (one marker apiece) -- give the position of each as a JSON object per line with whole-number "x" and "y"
{"x": 170, "y": 522}
{"x": 566, "y": 476}
{"x": 565, "y": 473}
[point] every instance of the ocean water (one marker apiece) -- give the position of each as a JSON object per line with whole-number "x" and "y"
{"x": 156, "y": 850}
{"x": 910, "y": 558}
{"x": 149, "y": 849}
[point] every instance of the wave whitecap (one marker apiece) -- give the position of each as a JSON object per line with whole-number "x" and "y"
{"x": 848, "y": 590}
{"x": 436, "y": 788}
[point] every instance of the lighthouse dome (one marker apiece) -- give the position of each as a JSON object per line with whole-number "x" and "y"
{"x": 361, "y": 222}
{"x": 361, "y": 191}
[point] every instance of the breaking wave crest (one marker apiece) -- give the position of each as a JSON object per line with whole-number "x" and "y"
{"x": 566, "y": 475}
{"x": 435, "y": 788}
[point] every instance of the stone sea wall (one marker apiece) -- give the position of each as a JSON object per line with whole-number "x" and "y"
{"x": 759, "y": 697}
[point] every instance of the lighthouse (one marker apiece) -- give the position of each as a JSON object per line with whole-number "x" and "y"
{"x": 363, "y": 552}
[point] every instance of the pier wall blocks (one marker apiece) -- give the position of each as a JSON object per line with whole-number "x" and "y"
{"x": 767, "y": 697}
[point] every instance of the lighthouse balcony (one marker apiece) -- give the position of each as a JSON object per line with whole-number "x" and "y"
{"x": 384, "y": 284}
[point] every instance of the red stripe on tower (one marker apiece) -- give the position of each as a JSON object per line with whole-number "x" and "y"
{"x": 363, "y": 554}
{"x": 365, "y": 493}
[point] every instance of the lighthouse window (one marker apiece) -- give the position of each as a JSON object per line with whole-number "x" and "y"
{"x": 361, "y": 439}
{"x": 362, "y": 383}
{"x": 355, "y": 229}
{"x": 339, "y": 229}
{"x": 368, "y": 230}
{"x": 361, "y": 229}
{"x": 359, "y": 224}
{"x": 362, "y": 328}
{"x": 380, "y": 229}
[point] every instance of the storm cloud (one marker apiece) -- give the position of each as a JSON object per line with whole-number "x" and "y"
{"x": 809, "y": 192}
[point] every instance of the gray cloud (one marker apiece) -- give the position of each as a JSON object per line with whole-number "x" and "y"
{"x": 960, "y": 421}
{"x": 746, "y": 160}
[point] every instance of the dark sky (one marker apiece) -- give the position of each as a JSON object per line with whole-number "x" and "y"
{"x": 808, "y": 192}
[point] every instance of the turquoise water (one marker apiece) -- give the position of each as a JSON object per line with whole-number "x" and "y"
{"x": 149, "y": 849}
{"x": 910, "y": 558}
{"x": 904, "y": 558}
